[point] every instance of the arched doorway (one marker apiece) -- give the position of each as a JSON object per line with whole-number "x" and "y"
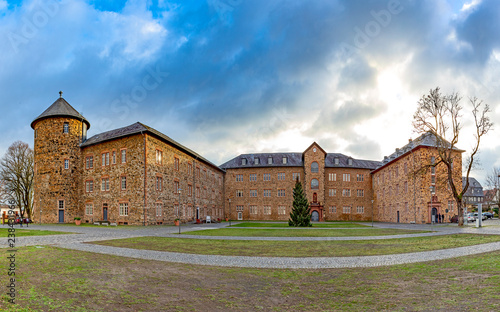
{"x": 315, "y": 216}
{"x": 434, "y": 215}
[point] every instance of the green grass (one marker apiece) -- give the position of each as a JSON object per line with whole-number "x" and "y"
{"x": 55, "y": 279}
{"x": 285, "y": 225}
{"x": 302, "y": 232}
{"x": 301, "y": 248}
{"x": 26, "y": 232}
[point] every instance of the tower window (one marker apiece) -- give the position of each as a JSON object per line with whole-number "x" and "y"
{"x": 66, "y": 127}
{"x": 314, "y": 167}
{"x": 314, "y": 184}
{"x": 66, "y": 164}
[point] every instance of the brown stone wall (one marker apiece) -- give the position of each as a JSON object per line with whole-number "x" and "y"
{"x": 259, "y": 202}
{"x": 414, "y": 203}
{"x": 132, "y": 169}
{"x": 51, "y": 181}
{"x": 333, "y": 207}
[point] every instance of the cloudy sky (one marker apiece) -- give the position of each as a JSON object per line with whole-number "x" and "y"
{"x": 226, "y": 77}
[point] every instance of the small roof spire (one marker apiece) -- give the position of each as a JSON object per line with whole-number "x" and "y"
{"x": 60, "y": 94}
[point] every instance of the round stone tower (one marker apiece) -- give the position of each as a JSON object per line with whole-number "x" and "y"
{"x": 59, "y": 131}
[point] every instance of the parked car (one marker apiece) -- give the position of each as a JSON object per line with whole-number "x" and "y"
{"x": 483, "y": 217}
{"x": 488, "y": 215}
{"x": 470, "y": 217}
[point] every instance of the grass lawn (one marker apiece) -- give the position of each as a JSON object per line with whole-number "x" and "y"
{"x": 301, "y": 248}
{"x": 285, "y": 225}
{"x": 26, "y": 232}
{"x": 302, "y": 232}
{"x": 53, "y": 279}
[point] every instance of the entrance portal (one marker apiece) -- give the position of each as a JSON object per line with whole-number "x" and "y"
{"x": 61, "y": 216}
{"x": 434, "y": 212}
{"x": 315, "y": 216}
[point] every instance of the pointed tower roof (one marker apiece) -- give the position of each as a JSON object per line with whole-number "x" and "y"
{"x": 60, "y": 108}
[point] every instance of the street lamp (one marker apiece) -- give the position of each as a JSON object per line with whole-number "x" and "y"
{"x": 179, "y": 210}
{"x": 229, "y": 211}
{"x": 372, "y": 211}
{"x": 433, "y": 217}
{"x": 40, "y": 207}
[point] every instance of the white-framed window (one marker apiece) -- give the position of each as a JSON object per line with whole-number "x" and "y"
{"x": 114, "y": 157}
{"x": 336, "y": 160}
{"x": 332, "y": 177}
{"x": 124, "y": 183}
{"x": 66, "y": 127}
{"x": 333, "y": 209}
{"x": 281, "y": 176}
{"x": 332, "y": 192}
{"x": 89, "y": 186}
{"x": 176, "y": 164}
{"x": 123, "y": 209}
{"x": 349, "y": 162}
{"x": 252, "y": 177}
{"x": 89, "y": 162}
{"x": 360, "y": 177}
{"x": 124, "y": 156}
{"x": 281, "y": 193}
{"x": 267, "y": 193}
{"x": 296, "y": 176}
{"x": 66, "y": 164}
{"x": 253, "y": 209}
{"x": 61, "y": 204}
{"x": 256, "y": 161}
{"x": 285, "y": 160}
{"x": 266, "y": 177}
{"x": 159, "y": 183}
{"x": 360, "y": 209}
{"x": 239, "y": 193}
{"x": 346, "y": 177}
{"x": 346, "y": 209}
{"x": 281, "y": 210}
{"x": 269, "y": 160}
{"x": 253, "y": 193}
{"x": 239, "y": 178}
{"x": 243, "y": 161}
{"x": 361, "y": 193}
{"x": 239, "y": 208}
{"x": 159, "y": 156}
{"x": 267, "y": 210}
{"x": 346, "y": 192}
{"x": 89, "y": 209}
{"x": 105, "y": 184}
{"x": 159, "y": 208}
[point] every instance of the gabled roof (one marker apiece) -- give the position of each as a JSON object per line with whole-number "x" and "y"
{"x": 60, "y": 108}
{"x": 139, "y": 128}
{"x": 475, "y": 188}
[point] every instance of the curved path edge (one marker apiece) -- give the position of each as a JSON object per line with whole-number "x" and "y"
{"x": 286, "y": 262}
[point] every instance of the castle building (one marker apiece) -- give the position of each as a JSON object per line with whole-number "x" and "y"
{"x": 138, "y": 176}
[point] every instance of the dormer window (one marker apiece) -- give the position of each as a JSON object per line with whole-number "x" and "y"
{"x": 243, "y": 161}
{"x": 349, "y": 161}
{"x": 66, "y": 127}
{"x": 256, "y": 161}
{"x": 269, "y": 160}
{"x": 336, "y": 160}
{"x": 285, "y": 160}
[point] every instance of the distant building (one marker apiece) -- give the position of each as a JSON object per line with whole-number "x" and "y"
{"x": 474, "y": 194}
{"x": 490, "y": 198}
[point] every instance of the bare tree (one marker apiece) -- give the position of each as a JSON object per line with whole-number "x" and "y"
{"x": 16, "y": 174}
{"x": 441, "y": 115}
{"x": 493, "y": 183}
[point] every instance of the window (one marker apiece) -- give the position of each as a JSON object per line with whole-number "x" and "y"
{"x": 349, "y": 161}
{"x": 89, "y": 162}
{"x": 239, "y": 208}
{"x": 281, "y": 210}
{"x": 285, "y": 160}
{"x": 190, "y": 190}
{"x": 66, "y": 164}
{"x": 198, "y": 192}
{"x": 159, "y": 208}
{"x": 267, "y": 193}
{"x": 314, "y": 167}
{"x": 360, "y": 177}
{"x": 124, "y": 183}
{"x": 256, "y": 161}
{"x": 332, "y": 177}
{"x": 360, "y": 209}
{"x": 253, "y": 177}
{"x": 361, "y": 193}
{"x": 159, "y": 155}
{"x": 450, "y": 205}
{"x": 89, "y": 209}
{"x": 266, "y": 176}
{"x": 296, "y": 176}
{"x": 332, "y": 192}
{"x": 267, "y": 210}
{"x": 347, "y": 177}
{"x": 66, "y": 127}
{"x": 105, "y": 184}
{"x": 123, "y": 209}
{"x": 281, "y": 176}
{"x": 89, "y": 186}
{"x": 433, "y": 160}
{"x": 281, "y": 193}
{"x": 114, "y": 157}
{"x": 61, "y": 204}
{"x": 333, "y": 209}
{"x": 253, "y": 193}
{"x": 269, "y": 160}
{"x": 105, "y": 159}
{"x": 397, "y": 172}
{"x": 198, "y": 172}
{"x": 346, "y": 192}
{"x": 253, "y": 209}
{"x": 159, "y": 183}
{"x": 239, "y": 193}
{"x": 406, "y": 187}
{"x": 346, "y": 209}
{"x": 336, "y": 160}
{"x": 177, "y": 187}
{"x": 406, "y": 168}
{"x": 239, "y": 178}
{"x": 243, "y": 161}
{"x": 176, "y": 164}
{"x": 124, "y": 156}
{"x": 314, "y": 184}
{"x": 190, "y": 169}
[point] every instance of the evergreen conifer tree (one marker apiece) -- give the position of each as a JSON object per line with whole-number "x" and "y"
{"x": 301, "y": 212}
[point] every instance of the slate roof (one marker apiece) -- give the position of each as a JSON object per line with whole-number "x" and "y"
{"x": 475, "y": 188}
{"x": 295, "y": 160}
{"x": 426, "y": 139}
{"x": 60, "y": 108}
{"x": 139, "y": 128}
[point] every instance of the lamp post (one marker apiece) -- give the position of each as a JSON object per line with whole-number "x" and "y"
{"x": 432, "y": 216}
{"x": 372, "y": 211}
{"x": 179, "y": 210}
{"x": 229, "y": 212}
{"x": 40, "y": 207}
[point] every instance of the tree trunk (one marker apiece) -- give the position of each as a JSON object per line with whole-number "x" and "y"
{"x": 460, "y": 213}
